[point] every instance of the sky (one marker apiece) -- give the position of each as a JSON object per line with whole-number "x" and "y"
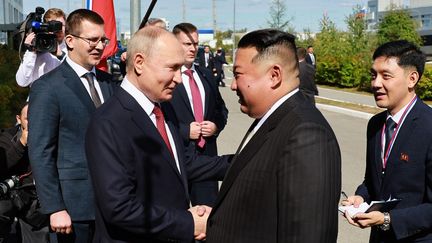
{"x": 250, "y": 14}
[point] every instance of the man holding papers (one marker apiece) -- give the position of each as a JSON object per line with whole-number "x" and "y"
{"x": 399, "y": 150}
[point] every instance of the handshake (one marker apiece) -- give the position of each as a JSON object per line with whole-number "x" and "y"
{"x": 200, "y": 215}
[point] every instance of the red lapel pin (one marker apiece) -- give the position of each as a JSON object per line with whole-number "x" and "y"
{"x": 404, "y": 157}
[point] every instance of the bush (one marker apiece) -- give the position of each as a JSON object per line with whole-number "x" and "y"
{"x": 424, "y": 87}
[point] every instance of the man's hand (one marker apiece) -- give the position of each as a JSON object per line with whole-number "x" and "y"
{"x": 61, "y": 222}
{"x": 123, "y": 57}
{"x": 208, "y": 128}
{"x": 200, "y": 215}
{"x": 364, "y": 220}
{"x": 353, "y": 200}
{"x": 195, "y": 130}
{"x": 29, "y": 39}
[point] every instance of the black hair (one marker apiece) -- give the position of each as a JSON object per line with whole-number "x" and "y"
{"x": 407, "y": 53}
{"x": 268, "y": 41}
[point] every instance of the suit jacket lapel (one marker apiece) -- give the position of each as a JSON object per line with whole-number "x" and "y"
{"x": 143, "y": 121}
{"x": 103, "y": 84}
{"x": 74, "y": 83}
{"x": 205, "y": 83}
{"x": 183, "y": 94}
{"x": 404, "y": 135}
{"x": 241, "y": 159}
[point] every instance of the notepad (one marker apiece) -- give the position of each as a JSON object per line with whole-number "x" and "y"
{"x": 382, "y": 206}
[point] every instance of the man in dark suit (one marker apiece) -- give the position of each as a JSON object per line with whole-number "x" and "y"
{"x": 399, "y": 152}
{"x": 307, "y": 76}
{"x": 284, "y": 181}
{"x": 206, "y": 59}
{"x": 136, "y": 155}
{"x": 200, "y": 109}
{"x": 61, "y": 103}
{"x": 310, "y": 56}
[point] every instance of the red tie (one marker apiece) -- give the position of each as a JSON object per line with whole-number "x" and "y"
{"x": 197, "y": 103}
{"x": 160, "y": 124}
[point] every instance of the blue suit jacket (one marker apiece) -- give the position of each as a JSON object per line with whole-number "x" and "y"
{"x": 140, "y": 194}
{"x": 408, "y": 176}
{"x": 59, "y": 111}
{"x": 214, "y": 111}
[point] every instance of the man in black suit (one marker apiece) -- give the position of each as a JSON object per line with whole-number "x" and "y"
{"x": 136, "y": 156}
{"x": 284, "y": 181}
{"x": 206, "y": 59}
{"x": 61, "y": 103}
{"x": 200, "y": 109}
{"x": 310, "y": 56}
{"x": 307, "y": 76}
{"x": 399, "y": 151}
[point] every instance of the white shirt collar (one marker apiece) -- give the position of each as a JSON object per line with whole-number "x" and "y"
{"x": 139, "y": 96}
{"x": 273, "y": 108}
{"x": 79, "y": 70}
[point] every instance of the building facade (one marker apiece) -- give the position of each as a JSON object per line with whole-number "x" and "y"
{"x": 420, "y": 10}
{"x": 11, "y": 12}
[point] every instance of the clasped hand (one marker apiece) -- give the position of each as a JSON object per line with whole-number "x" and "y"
{"x": 205, "y": 129}
{"x": 200, "y": 215}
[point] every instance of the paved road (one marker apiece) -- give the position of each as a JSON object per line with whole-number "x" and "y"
{"x": 350, "y": 132}
{"x": 347, "y": 96}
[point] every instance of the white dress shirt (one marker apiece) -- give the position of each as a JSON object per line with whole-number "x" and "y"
{"x": 185, "y": 79}
{"x": 148, "y": 106}
{"x": 80, "y": 71}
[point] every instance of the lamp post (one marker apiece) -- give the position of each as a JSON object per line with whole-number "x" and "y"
{"x": 234, "y": 29}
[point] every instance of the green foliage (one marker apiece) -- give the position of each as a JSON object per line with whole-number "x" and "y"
{"x": 398, "y": 25}
{"x": 424, "y": 86}
{"x": 11, "y": 95}
{"x": 343, "y": 58}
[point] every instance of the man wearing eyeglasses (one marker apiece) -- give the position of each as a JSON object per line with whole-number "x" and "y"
{"x": 284, "y": 181}
{"x": 61, "y": 104}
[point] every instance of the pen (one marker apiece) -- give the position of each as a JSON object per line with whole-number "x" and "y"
{"x": 344, "y": 195}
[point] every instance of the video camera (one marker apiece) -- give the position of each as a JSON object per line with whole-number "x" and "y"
{"x": 7, "y": 185}
{"x": 45, "y": 40}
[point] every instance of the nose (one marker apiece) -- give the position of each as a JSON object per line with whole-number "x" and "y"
{"x": 233, "y": 85}
{"x": 177, "y": 77}
{"x": 376, "y": 82}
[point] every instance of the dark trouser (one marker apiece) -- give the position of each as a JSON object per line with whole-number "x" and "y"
{"x": 204, "y": 193}
{"x": 82, "y": 232}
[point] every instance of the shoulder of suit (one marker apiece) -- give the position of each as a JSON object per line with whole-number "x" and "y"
{"x": 103, "y": 76}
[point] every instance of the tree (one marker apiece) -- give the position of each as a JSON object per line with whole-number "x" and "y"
{"x": 396, "y": 25}
{"x": 11, "y": 95}
{"x": 277, "y": 15}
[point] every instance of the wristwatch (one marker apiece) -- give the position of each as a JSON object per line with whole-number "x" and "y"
{"x": 386, "y": 225}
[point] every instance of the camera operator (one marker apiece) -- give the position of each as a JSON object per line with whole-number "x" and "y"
{"x": 17, "y": 192}
{"x": 35, "y": 64}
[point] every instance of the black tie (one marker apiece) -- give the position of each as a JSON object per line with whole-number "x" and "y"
{"x": 94, "y": 94}
{"x": 390, "y": 127}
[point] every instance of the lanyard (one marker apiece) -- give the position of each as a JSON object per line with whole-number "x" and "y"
{"x": 393, "y": 138}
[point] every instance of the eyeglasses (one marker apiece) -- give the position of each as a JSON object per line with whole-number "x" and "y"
{"x": 92, "y": 43}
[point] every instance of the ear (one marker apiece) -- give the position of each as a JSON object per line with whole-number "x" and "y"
{"x": 69, "y": 41}
{"x": 138, "y": 61}
{"x": 275, "y": 73}
{"x": 18, "y": 119}
{"x": 413, "y": 78}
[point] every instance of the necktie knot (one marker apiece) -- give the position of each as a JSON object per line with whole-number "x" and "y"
{"x": 189, "y": 73}
{"x": 157, "y": 111}
{"x": 93, "y": 92}
{"x": 390, "y": 124}
{"x": 89, "y": 77}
